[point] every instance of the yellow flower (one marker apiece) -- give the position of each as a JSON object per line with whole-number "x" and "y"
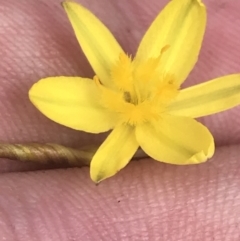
{"x": 140, "y": 98}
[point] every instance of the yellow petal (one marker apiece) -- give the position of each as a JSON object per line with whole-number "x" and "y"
{"x": 98, "y": 44}
{"x": 73, "y": 102}
{"x": 114, "y": 153}
{"x": 180, "y": 26}
{"x": 176, "y": 140}
{"x": 208, "y": 98}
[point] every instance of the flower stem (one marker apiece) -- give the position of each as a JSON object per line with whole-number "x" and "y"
{"x": 51, "y": 153}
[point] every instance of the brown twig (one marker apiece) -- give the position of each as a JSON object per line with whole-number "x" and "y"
{"x": 49, "y": 153}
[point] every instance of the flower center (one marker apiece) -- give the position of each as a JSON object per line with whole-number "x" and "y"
{"x": 142, "y": 91}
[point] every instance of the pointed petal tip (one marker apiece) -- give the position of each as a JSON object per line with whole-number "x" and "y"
{"x": 96, "y": 181}
{"x": 70, "y": 5}
{"x": 97, "y": 177}
{"x": 66, "y": 3}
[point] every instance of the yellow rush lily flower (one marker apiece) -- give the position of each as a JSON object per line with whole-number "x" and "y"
{"x": 140, "y": 98}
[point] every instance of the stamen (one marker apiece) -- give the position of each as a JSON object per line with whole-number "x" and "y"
{"x": 121, "y": 73}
